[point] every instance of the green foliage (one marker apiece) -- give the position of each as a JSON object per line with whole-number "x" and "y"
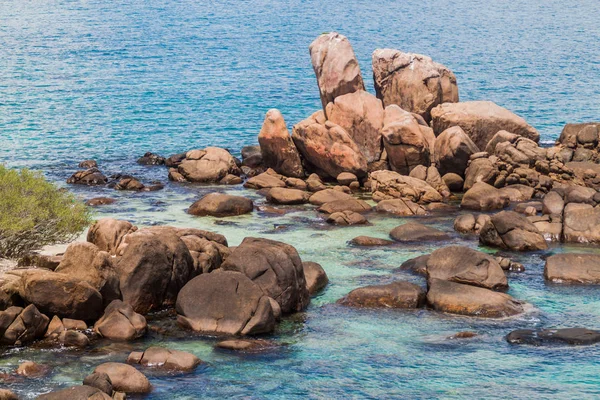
{"x": 35, "y": 213}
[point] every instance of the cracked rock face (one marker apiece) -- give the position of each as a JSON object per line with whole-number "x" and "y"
{"x": 512, "y": 231}
{"x": 120, "y": 322}
{"x": 225, "y": 302}
{"x": 412, "y": 81}
{"x": 277, "y": 148}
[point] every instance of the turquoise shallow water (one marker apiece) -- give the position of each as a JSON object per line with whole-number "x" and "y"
{"x": 87, "y": 79}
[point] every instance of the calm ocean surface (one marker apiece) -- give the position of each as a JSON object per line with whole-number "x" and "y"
{"x": 112, "y": 80}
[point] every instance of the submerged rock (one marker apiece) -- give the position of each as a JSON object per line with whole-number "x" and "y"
{"x": 573, "y": 268}
{"x": 246, "y": 345}
{"x": 367, "y": 241}
{"x": 398, "y": 294}
{"x": 31, "y": 369}
{"x": 415, "y": 232}
{"x": 541, "y": 337}
{"x": 221, "y": 205}
{"x": 316, "y": 278}
{"x": 165, "y": 359}
{"x": 90, "y": 177}
{"x": 100, "y": 201}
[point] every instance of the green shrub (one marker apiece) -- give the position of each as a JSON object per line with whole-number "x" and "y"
{"x": 35, "y": 213}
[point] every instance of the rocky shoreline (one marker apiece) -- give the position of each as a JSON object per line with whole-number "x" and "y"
{"x": 412, "y": 150}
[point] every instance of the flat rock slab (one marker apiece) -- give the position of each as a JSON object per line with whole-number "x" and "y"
{"x": 571, "y": 336}
{"x": 398, "y": 294}
{"x": 415, "y": 232}
{"x": 573, "y": 268}
{"x": 367, "y": 241}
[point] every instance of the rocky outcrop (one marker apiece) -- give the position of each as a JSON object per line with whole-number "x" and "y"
{"x": 415, "y": 232}
{"x": 277, "y": 148}
{"x": 107, "y": 233}
{"x": 120, "y": 322}
{"x": 208, "y": 165}
{"x": 512, "y": 231}
{"x": 328, "y": 148}
{"x": 457, "y": 298}
{"x": 165, "y": 359}
{"x": 572, "y": 268}
{"x": 221, "y": 205}
{"x": 360, "y": 114}
{"x": 89, "y": 177}
{"x": 432, "y": 176}
{"x": 412, "y": 81}
{"x": 397, "y": 294}
{"x": 542, "y": 337}
{"x": 392, "y": 185}
{"x": 20, "y": 325}
{"x": 484, "y": 197}
{"x": 275, "y": 267}
{"x": 225, "y": 302}
{"x": 125, "y": 378}
{"x": 462, "y": 264}
{"x": 453, "y": 149}
{"x": 315, "y": 276}
{"x": 335, "y": 66}
{"x": 406, "y": 143}
{"x": 480, "y": 120}
{"x": 150, "y": 158}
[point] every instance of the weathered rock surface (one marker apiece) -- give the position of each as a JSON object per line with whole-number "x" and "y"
{"x": 275, "y": 267}
{"x": 453, "y": 149}
{"x": 225, "y": 302}
{"x": 581, "y": 224}
{"x": 266, "y": 180}
{"x": 367, "y": 241}
{"x": 221, "y": 205}
{"x": 99, "y": 381}
{"x": 120, "y": 322}
{"x": 164, "y": 359}
{"x": 89, "y": 177}
{"x": 287, "y": 196}
{"x": 398, "y": 294}
{"x": 400, "y": 207}
{"x": 208, "y": 165}
{"x": 316, "y": 278}
{"x": 412, "y": 81}
{"x": 484, "y": 197}
{"x": 391, "y": 185}
{"x": 573, "y": 268}
{"x": 22, "y": 325}
{"x": 329, "y": 195}
{"x": 512, "y": 231}
{"x": 125, "y": 378}
{"x": 354, "y": 205}
{"x": 107, "y": 233}
{"x": 246, "y": 345}
{"x": 416, "y": 232}
{"x": 82, "y": 392}
{"x": 100, "y": 201}
{"x": 541, "y": 337}
{"x": 345, "y": 218}
{"x": 277, "y": 148}
{"x": 417, "y": 265}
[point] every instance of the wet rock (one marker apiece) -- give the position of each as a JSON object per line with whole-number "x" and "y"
{"x": 345, "y": 218}
{"x": 175, "y": 176}
{"x": 71, "y": 338}
{"x": 480, "y": 120}
{"x": 22, "y": 325}
{"x": 457, "y": 298}
{"x": 99, "y": 381}
{"x": 415, "y": 232}
{"x": 208, "y": 165}
{"x": 354, "y": 205}
{"x": 153, "y": 265}
{"x": 454, "y": 182}
{"x": 85, "y": 261}
{"x": 328, "y": 148}
{"x": 462, "y": 264}
{"x": 335, "y": 66}
{"x": 150, "y": 158}
{"x": 287, "y": 196}
{"x": 542, "y": 337}
{"x": 107, "y": 233}
{"x": 367, "y": 241}
{"x": 453, "y": 149}
{"x": 125, "y": 378}
{"x": 266, "y": 180}
{"x": 400, "y": 207}
{"x": 360, "y": 114}
{"x": 573, "y": 268}
{"x": 120, "y": 322}
{"x": 87, "y": 164}
{"x": 327, "y": 196}
{"x": 484, "y": 197}
{"x": 82, "y": 392}
{"x": 225, "y": 302}
{"x": 275, "y": 267}
{"x": 316, "y": 278}
{"x": 221, "y": 205}
{"x": 31, "y": 369}
{"x": 100, "y": 201}
{"x": 398, "y": 294}
{"x": 412, "y": 81}
{"x": 90, "y": 177}
{"x": 61, "y": 294}
{"x": 417, "y": 265}
{"x": 246, "y": 345}
{"x": 277, "y": 148}
{"x": 165, "y": 359}
{"x": 391, "y": 185}
{"x": 512, "y": 231}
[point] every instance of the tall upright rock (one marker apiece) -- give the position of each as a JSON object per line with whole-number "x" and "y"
{"x": 336, "y": 67}
{"x": 412, "y": 81}
{"x": 277, "y": 148}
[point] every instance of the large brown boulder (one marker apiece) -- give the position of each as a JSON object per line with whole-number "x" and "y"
{"x": 572, "y": 268}
{"x": 354, "y": 205}
{"x": 84, "y": 261}
{"x": 125, "y": 378}
{"x": 208, "y": 249}
{"x": 277, "y": 148}
{"x": 512, "y": 231}
{"x": 413, "y": 81}
{"x": 480, "y": 120}
{"x": 416, "y": 232}
{"x": 266, "y": 180}
{"x": 107, "y": 233}
{"x": 165, "y": 359}
{"x": 453, "y": 149}
{"x": 432, "y": 176}
{"x": 81, "y": 392}
{"x": 61, "y": 294}
{"x": 335, "y": 66}
{"x": 457, "y": 298}
{"x": 120, "y": 322}
{"x": 22, "y": 325}
{"x": 484, "y": 197}
{"x": 208, "y": 165}
{"x": 153, "y": 265}
{"x": 400, "y": 207}
{"x": 482, "y": 169}
{"x": 361, "y": 115}
{"x": 462, "y": 264}
{"x": 287, "y": 196}
{"x": 327, "y": 196}
{"x": 346, "y": 218}
{"x": 316, "y": 278}
{"x": 391, "y": 185}
{"x": 581, "y": 224}
{"x": 221, "y": 205}
{"x": 398, "y": 294}
{"x": 225, "y": 302}
{"x": 89, "y": 177}
{"x": 328, "y": 148}
{"x": 275, "y": 267}
{"x": 406, "y": 142}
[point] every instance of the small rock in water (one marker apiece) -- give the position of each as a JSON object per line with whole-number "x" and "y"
{"x": 316, "y": 278}
{"x": 151, "y": 159}
{"x": 345, "y": 218}
{"x": 370, "y": 241}
{"x": 166, "y": 359}
{"x": 463, "y": 335}
{"x": 571, "y": 336}
{"x": 87, "y": 164}
{"x": 415, "y": 232}
{"x": 99, "y": 380}
{"x": 398, "y": 294}
{"x": 6, "y": 394}
{"x": 99, "y": 201}
{"x": 31, "y": 369}
{"x": 72, "y": 338}
{"x": 221, "y": 205}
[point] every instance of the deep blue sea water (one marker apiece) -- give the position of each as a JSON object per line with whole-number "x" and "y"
{"x": 112, "y": 80}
